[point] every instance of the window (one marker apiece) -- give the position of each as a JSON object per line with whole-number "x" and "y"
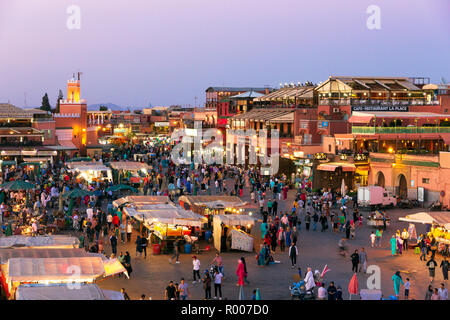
{"x": 329, "y": 148}
{"x": 426, "y": 180}
{"x": 304, "y": 124}
{"x": 307, "y": 139}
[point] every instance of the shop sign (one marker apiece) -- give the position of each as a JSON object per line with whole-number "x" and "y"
{"x": 370, "y": 108}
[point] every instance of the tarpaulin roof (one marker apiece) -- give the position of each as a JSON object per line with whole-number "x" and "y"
{"x": 331, "y": 166}
{"x": 60, "y": 292}
{"x": 79, "y": 269}
{"x": 54, "y": 241}
{"x": 234, "y": 219}
{"x": 129, "y": 165}
{"x": 437, "y": 217}
{"x": 176, "y": 216}
{"x": 6, "y": 254}
{"x": 142, "y": 200}
{"x": 213, "y": 201}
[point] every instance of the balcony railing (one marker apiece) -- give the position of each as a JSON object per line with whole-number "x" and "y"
{"x": 373, "y": 130}
{"x": 381, "y": 101}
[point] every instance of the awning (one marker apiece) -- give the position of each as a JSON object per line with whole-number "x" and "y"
{"x": 446, "y": 138}
{"x": 360, "y": 117}
{"x": 64, "y": 145}
{"x": 331, "y": 166}
{"x": 60, "y": 292}
{"x": 440, "y": 218}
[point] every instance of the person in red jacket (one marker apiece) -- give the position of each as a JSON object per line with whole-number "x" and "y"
{"x": 116, "y": 220}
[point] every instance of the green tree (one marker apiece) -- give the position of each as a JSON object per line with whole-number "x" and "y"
{"x": 103, "y": 108}
{"x": 45, "y": 103}
{"x": 60, "y": 97}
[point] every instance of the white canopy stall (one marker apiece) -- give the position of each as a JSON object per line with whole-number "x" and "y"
{"x": 167, "y": 222}
{"x": 39, "y": 242}
{"x": 65, "y": 292}
{"x": 91, "y": 171}
{"x": 57, "y": 270}
{"x": 240, "y": 240}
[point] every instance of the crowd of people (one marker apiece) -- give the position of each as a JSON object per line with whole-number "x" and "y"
{"x": 102, "y": 227}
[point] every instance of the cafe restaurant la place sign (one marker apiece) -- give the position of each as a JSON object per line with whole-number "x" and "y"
{"x": 380, "y": 108}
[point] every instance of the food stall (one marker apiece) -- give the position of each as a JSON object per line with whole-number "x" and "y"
{"x": 376, "y": 219}
{"x": 440, "y": 226}
{"x": 130, "y": 171}
{"x": 234, "y": 228}
{"x": 91, "y": 171}
{"x": 167, "y": 224}
{"x": 76, "y": 270}
{"x": 88, "y": 291}
{"x": 27, "y": 252}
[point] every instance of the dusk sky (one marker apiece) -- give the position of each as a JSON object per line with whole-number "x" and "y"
{"x": 163, "y": 52}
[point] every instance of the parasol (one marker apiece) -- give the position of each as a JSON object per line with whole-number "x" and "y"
{"x": 17, "y": 185}
{"x": 121, "y": 187}
{"x": 353, "y": 286}
{"x": 77, "y": 193}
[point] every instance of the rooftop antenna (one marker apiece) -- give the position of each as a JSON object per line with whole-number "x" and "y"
{"x": 79, "y": 74}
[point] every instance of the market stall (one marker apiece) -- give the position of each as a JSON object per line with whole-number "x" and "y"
{"x": 234, "y": 228}
{"x": 91, "y": 171}
{"x": 76, "y": 270}
{"x": 39, "y": 242}
{"x": 377, "y": 219}
{"x": 65, "y": 292}
{"x": 27, "y": 252}
{"x": 210, "y": 205}
{"x": 130, "y": 171}
{"x": 141, "y": 200}
{"x": 439, "y": 226}
{"x": 168, "y": 224}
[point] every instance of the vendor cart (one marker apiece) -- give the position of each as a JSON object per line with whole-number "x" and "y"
{"x": 376, "y": 219}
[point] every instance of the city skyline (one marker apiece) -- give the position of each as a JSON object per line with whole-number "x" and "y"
{"x": 139, "y": 54}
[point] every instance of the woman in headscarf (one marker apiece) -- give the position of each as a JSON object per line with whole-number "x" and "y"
{"x": 393, "y": 243}
{"x": 245, "y": 270}
{"x": 240, "y": 272}
{"x": 397, "y": 281}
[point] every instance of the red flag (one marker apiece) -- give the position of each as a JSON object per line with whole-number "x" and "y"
{"x": 325, "y": 270}
{"x": 353, "y": 285}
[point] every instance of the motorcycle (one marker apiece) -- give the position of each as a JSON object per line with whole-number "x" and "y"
{"x": 436, "y": 206}
{"x": 298, "y": 291}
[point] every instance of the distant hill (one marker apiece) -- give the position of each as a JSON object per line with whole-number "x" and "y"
{"x": 109, "y": 105}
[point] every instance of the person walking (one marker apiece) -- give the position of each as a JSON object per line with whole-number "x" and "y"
{"x": 144, "y": 242}
{"x": 397, "y": 279}
{"x": 372, "y": 239}
{"x": 315, "y": 218}
{"x": 444, "y": 266}
{"x": 125, "y": 294}
{"x": 355, "y": 261}
{"x": 363, "y": 260}
{"x": 423, "y": 248}
{"x": 218, "y": 263}
{"x": 138, "y": 243}
{"x": 393, "y": 243}
{"x": 176, "y": 254}
{"x": 129, "y": 231}
{"x": 170, "y": 292}
{"x": 245, "y": 270}
{"x": 240, "y": 272}
{"x": 405, "y": 236}
{"x": 293, "y": 253}
{"x": 431, "y": 264}
{"x": 196, "y": 269}
{"x": 207, "y": 286}
{"x": 443, "y": 293}
{"x": 429, "y": 292}
{"x": 307, "y": 221}
{"x": 127, "y": 263}
{"x": 183, "y": 290}
{"x": 218, "y": 284}
{"x": 407, "y": 288}
{"x": 113, "y": 242}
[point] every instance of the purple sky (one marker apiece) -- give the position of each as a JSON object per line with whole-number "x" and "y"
{"x": 133, "y": 52}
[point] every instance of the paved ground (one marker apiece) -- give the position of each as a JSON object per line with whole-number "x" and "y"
{"x": 150, "y": 276}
